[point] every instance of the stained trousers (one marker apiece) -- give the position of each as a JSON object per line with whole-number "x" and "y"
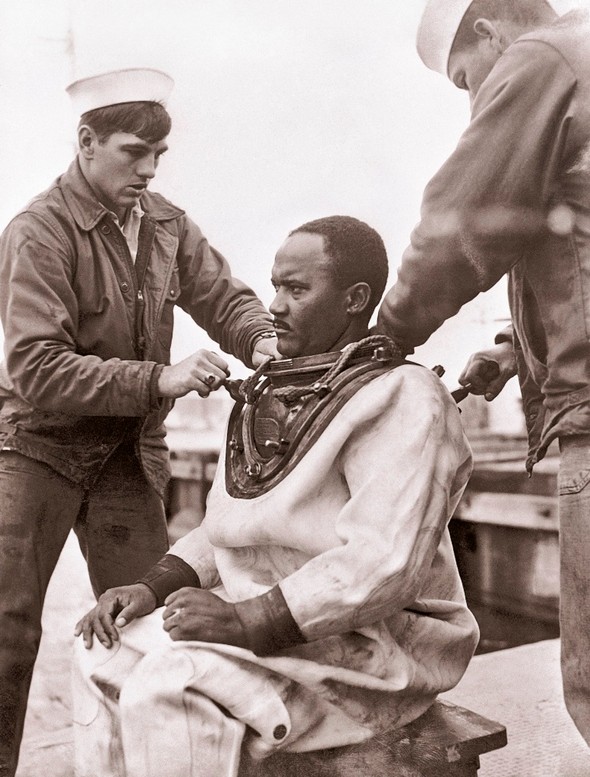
{"x": 121, "y": 529}
{"x": 574, "y": 539}
{"x": 152, "y": 707}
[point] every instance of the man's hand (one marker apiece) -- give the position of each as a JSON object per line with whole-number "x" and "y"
{"x": 192, "y": 613}
{"x": 488, "y": 371}
{"x": 116, "y": 607}
{"x": 265, "y": 347}
{"x": 203, "y": 372}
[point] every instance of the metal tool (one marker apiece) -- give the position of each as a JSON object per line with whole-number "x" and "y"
{"x": 233, "y": 389}
{"x": 460, "y": 393}
{"x": 490, "y": 371}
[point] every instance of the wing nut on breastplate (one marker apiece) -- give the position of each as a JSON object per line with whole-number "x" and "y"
{"x": 278, "y": 447}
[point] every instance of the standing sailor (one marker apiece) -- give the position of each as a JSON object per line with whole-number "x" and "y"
{"x": 90, "y": 273}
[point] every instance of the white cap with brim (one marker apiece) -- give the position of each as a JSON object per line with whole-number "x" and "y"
{"x": 437, "y": 31}
{"x": 120, "y": 86}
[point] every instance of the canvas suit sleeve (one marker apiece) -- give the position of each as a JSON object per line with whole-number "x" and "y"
{"x": 403, "y": 471}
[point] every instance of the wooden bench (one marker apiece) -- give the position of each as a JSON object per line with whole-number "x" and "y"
{"x": 444, "y": 742}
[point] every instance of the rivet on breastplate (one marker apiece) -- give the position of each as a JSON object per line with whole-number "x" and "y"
{"x": 253, "y": 470}
{"x": 234, "y": 445}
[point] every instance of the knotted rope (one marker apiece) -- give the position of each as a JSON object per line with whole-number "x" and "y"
{"x": 291, "y": 394}
{"x": 250, "y": 390}
{"x": 249, "y": 385}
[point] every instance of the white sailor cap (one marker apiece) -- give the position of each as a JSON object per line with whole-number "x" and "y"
{"x": 120, "y": 86}
{"x": 436, "y": 34}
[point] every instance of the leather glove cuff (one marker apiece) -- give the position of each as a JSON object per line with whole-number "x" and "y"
{"x": 168, "y": 575}
{"x": 268, "y": 623}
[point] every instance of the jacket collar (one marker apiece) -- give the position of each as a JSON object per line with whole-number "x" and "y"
{"x": 87, "y": 211}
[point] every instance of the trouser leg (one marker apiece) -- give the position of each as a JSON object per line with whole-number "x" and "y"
{"x": 122, "y": 531}
{"x": 140, "y": 716}
{"x": 95, "y": 707}
{"x": 574, "y": 510}
{"x": 189, "y": 737}
{"x": 150, "y": 707}
{"x": 37, "y": 509}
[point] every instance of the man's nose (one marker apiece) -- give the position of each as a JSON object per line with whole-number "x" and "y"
{"x": 147, "y": 167}
{"x": 277, "y": 306}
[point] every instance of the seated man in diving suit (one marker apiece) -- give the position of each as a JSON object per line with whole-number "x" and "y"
{"x": 319, "y": 602}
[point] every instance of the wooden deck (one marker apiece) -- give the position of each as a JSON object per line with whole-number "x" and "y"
{"x": 521, "y": 687}
{"x": 47, "y": 745}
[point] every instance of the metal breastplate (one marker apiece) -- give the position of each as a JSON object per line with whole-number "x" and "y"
{"x": 285, "y": 410}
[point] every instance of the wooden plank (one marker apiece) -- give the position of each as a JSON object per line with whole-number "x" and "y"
{"x": 510, "y": 568}
{"x": 444, "y": 742}
{"x": 187, "y": 469}
{"x": 503, "y": 477}
{"x": 524, "y": 511}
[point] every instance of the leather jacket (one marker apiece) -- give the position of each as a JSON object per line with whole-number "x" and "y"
{"x": 84, "y": 346}
{"x": 514, "y": 198}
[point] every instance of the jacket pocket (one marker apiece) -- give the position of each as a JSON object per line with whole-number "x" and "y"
{"x": 573, "y": 482}
{"x": 166, "y": 324}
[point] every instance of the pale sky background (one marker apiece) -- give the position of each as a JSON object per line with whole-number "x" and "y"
{"x": 283, "y": 111}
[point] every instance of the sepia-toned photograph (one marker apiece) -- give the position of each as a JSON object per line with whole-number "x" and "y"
{"x": 295, "y": 388}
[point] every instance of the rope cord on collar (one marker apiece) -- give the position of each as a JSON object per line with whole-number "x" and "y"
{"x": 290, "y": 394}
{"x": 250, "y": 389}
{"x": 248, "y": 386}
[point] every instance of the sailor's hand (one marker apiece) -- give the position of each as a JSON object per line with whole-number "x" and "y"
{"x": 488, "y": 371}
{"x": 194, "y": 614}
{"x": 115, "y": 608}
{"x": 203, "y": 372}
{"x": 263, "y": 348}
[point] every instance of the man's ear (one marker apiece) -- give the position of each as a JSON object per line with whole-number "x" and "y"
{"x": 357, "y": 298}
{"x": 87, "y": 140}
{"x": 490, "y": 31}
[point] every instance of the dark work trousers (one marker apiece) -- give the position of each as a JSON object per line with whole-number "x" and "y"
{"x": 121, "y": 529}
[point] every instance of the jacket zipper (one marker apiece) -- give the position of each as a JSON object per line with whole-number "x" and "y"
{"x": 139, "y": 312}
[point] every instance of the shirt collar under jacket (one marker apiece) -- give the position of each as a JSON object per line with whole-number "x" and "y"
{"x": 130, "y": 227}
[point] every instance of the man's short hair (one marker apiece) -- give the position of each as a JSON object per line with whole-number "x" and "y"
{"x": 524, "y": 13}
{"x": 150, "y": 121}
{"x": 357, "y": 251}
